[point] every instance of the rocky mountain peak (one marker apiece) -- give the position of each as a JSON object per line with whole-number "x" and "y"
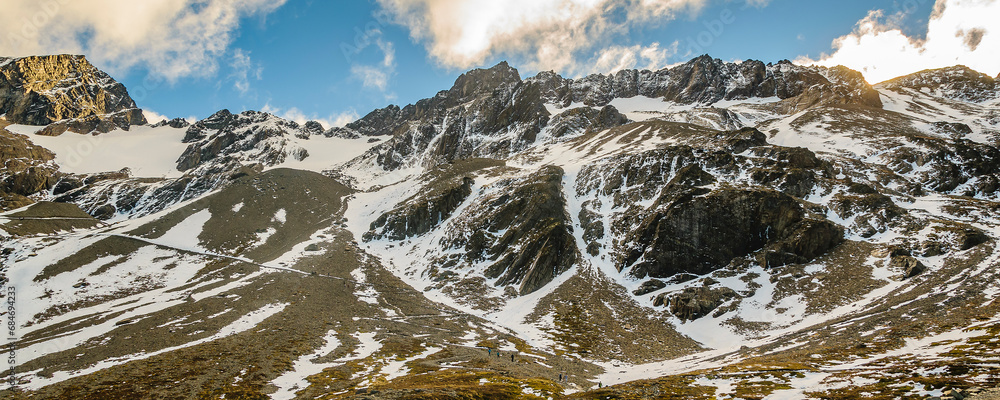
{"x": 480, "y": 82}
{"x": 377, "y": 122}
{"x": 250, "y": 137}
{"x": 42, "y": 90}
{"x": 957, "y": 82}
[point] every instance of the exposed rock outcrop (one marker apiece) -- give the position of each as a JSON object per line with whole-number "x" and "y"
{"x": 176, "y": 123}
{"x": 586, "y": 119}
{"x": 67, "y": 90}
{"x": 419, "y": 216}
{"x": 523, "y": 236}
{"x": 27, "y": 169}
{"x": 249, "y": 137}
{"x": 698, "y": 232}
{"x": 696, "y": 302}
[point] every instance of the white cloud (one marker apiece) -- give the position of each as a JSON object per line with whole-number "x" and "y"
{"x": 539, "y": 34}
{"x": 958, "y": 32}
{"x": 173, "y": 38}
{"x": 153, "y": 117}
{"x": 377, "y": 76}
{"x": 371, "y": 77}
{"x": 243, "y": 69}
{"x": 294, "y": 114}
{"x": 616, "y": 58}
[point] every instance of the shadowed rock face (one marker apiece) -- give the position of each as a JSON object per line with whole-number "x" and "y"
{"x": 695, "y": 302}
{"x": 698, "y": 232}
{"x": 48, "y": 89}
{"x": 534, "y": 216}
{"x": 420, "y": 217}
{"x": 27, "y": 169}
{"x": 522, "y": 235}
{"x": 586, "y": 119}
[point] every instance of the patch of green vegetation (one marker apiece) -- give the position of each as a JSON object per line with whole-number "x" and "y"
{"x": 679, "y": 387}
{"x": 469, "y": 385}
{"x": 759, "y": 389}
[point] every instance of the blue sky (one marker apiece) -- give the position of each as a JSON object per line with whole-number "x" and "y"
{"x": 337, "y": 60}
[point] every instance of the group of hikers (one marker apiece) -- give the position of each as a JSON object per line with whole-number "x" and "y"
{"x": 490, "y": 351}
{"x": 563, "y": 377}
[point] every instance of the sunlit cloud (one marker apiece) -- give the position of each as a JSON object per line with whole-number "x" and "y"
{"x": 558, "y": 35}
{"x": 173, "y": 38}
{"x": 958, "y": 32}
{"x": 153, "y": 117}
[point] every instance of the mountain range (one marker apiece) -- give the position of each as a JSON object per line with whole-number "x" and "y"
{"x": 709, "y": 230}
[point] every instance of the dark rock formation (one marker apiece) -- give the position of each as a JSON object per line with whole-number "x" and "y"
{"x": 968, "y": 238}
{"x": 586, "y": 119}
{"x": 176, "y": 123}
{"x": 250, "y": 137}
{"x": 27, "y": 169}
{"x": 697, "y": 233}
{"x": 525, "y": 233}
{"x": 421, "y": 215}
{"x": 312, "y": 128}
{"x": 695, "y": 302}
{"x": 47, "y": 89}
{"x": 649, "y": 286}
{"x": 910, "y": 266}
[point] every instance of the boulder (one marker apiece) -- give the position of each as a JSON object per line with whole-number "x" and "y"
{"x": 649, "y": 286}
{"x": 910, "y": 266}
{"x": 970, "y": 237}
{"x": 693, "y": 303}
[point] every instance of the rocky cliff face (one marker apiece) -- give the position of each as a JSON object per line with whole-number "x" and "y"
{"x": 67, "y": 90}
{"x": 27, "y": 169}
{"x": 487, "y": 113}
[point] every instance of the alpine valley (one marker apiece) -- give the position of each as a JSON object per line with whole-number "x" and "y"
{"x": 710, "y": 230}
